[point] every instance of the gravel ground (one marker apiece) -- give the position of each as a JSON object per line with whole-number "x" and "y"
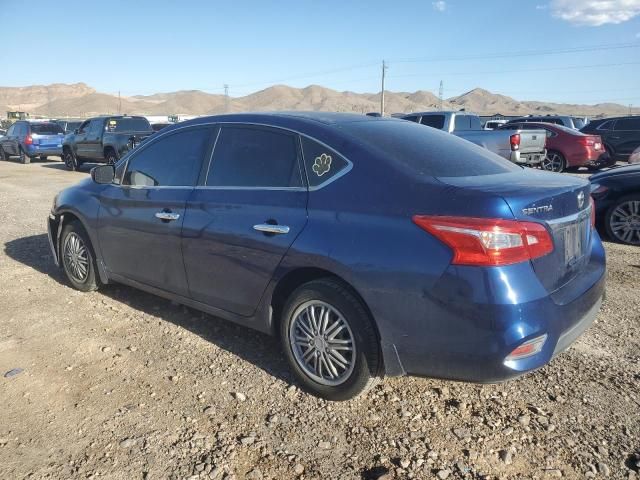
{"x": 122, "y": 384}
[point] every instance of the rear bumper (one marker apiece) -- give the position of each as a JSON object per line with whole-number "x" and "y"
{"x": 604, "y": 160}
{"x": 37, "y": 150}
{"x": 478, "y": 317}
{"x": 527, "y": 158}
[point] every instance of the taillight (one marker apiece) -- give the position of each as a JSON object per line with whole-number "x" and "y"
{"x": 28, "y": 140}
{"x": 527, "y": 349}
{"x": 588, "y": 141}
{"x": 488, "y": 241}
{"x": 514, "y": 140}
{"x": 593, "y": 211}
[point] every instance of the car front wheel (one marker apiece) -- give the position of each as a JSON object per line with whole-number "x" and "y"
{"x": 622, "y": 220}
{"x": 330, "y": 341}
{"x": 77, "y": 257}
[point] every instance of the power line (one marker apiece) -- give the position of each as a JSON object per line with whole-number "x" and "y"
{"x": 572, "y": 67}
{"x": 523, "y": 53}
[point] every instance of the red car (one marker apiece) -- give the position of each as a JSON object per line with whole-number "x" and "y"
{"x": 569, "y": 149}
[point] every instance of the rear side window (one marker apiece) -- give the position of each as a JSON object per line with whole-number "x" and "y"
{"x": 320, "y": 162}
{"x": 174, "y": 160}
{"x": 255, "y": 157}
{"x": 628, "y": 124}
{"x": 128, "y": 124}
{"x": 46, "y": 128}
{"x": 608, "y": 125}
{"x": 434, "y": 121}
{"x": 462, "y": 122}
{"x": 427, "y": 152}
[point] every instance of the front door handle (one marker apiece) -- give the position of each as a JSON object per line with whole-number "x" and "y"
{"x": 167, "y": 216}
{"x": 268, "y": 228}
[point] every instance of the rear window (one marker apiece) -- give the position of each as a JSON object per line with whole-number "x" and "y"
{"x": 128, "y": 125}
{"x": 428, "y": 152}
{"x": 435, "y": 121}
{"x": 46, "y": 128}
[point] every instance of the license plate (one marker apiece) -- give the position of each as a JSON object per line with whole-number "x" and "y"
{"x": 575, "y": 237}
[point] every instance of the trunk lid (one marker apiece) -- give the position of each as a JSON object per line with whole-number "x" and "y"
{"x": 531, "y": 141}
{"x": 560, "y": 202}
{"x": 47, "y": 140}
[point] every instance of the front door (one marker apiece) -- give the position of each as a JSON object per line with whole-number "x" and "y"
{"x": 80, "y": 140}
{"x": 141, "y": 218}
{"x": 625, "y": 137}
{"x": 243, "y": 219}
{"x": 93, "y": 140}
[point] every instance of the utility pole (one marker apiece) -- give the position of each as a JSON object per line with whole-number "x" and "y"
{"x": 119, "y": 103}
{"x": 226, "y": 98}
{"x": 384, "y": 69}
{"x": 440, "y": 95}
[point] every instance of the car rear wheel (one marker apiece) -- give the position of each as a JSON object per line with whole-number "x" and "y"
{"x": 70, "y": 160}
{"x": 23, "y": 157}
{"x": 330, "y": 341}
{"x": 554, "y": 162}
{"x": 622, "y": 220}
{"x": 43, "y": 158}
{"x": 77, "y": 257}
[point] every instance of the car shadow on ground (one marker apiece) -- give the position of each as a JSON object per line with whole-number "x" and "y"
{"x": 260, "y": 349}
{"x": 85, "y": 167}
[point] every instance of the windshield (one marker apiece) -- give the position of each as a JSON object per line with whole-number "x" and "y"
{"x": 427, "y": 151}
{"x": 46, "y": 128}
{"x": 129, "y": 124}
{"x": 578, "y": 122}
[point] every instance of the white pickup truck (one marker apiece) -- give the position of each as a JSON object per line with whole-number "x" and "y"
{"x": 525, "y": 147}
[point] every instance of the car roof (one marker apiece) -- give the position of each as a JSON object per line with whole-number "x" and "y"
{"x": 290, "y": 118}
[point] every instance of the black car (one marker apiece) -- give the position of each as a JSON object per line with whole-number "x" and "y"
{"x": 104, "y": 139}
{"x": 620, "y": 135}
{"x": 616, "y": 194}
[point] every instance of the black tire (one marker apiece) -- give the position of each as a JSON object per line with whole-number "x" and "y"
{"x": 70, "y": 160}
{"x": 43, "y": 158}
{"x": 73, "y": 234}
{"x": 364, "y": 361}
{"x": 554, "y": 162}
{"x": 628, "y": 206}
{"x": 110, "y": 156}
{"x": 23, "y": 157}
{"x": 3, "y": 156}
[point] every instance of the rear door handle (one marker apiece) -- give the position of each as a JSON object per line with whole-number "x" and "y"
{"x": 167, "y": 216}
{"x": 268, "y": 228}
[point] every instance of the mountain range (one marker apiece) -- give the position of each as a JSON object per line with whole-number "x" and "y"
{"x": 80, "y": 100}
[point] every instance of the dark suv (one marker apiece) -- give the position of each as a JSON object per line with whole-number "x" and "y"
{"x": 30, "y": 139}
{"x": 620, "y": 135}
{"x": 104, "y": 139}
{"x": 564, "y": 120}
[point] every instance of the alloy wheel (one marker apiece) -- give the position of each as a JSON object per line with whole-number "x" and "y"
{"x": 69, "y": 161}
{"x": 76, "y": 257}
{"x": 322, "y": 343}
{"x": 552, "y": 162}
{"x": 625, "y": 222}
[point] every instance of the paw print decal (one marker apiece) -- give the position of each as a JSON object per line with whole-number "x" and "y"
{"x": 322, "y": 164}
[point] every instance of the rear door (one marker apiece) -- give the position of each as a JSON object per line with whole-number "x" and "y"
{"x": 244, "y": 217}
{"x": 625, "y": 137}
{"x": 8, "y": 142}
{"x": 140, "y": 219}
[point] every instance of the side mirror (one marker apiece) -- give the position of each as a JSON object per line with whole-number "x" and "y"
{"x": 103, "y": 174}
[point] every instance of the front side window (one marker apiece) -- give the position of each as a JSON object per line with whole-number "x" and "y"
{"x": 412, "y": 118}
{"x": 84, "y": 127}
{"x": 95, "y": 126}
{"x": 608, "y": 125}
{"x": 174, "y": 160}
{"x": 254, "y": 157}
{"x": 320, "y": 162}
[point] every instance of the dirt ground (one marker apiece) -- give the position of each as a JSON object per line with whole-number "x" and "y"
{"x": 121, "y": 384}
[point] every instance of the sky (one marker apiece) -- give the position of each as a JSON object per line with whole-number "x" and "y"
{"x": 573, "y": 51}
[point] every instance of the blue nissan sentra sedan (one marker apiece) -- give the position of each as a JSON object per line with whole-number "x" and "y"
{"x": 370, "y": 246}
